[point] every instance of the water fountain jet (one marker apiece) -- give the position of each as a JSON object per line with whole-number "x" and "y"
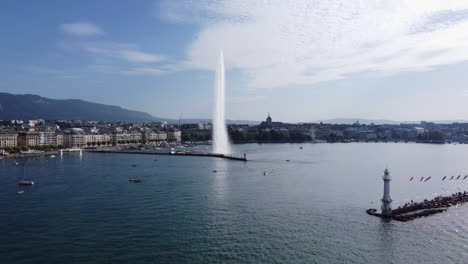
{"x": 220, "y": 135}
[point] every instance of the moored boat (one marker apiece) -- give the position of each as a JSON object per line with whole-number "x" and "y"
{"x": 26, "y": 182}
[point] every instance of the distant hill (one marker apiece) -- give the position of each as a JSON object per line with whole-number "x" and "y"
{"x": 30, "y": 106}
{"x": 349, "y": 121}
{"x": 208, "y": 120}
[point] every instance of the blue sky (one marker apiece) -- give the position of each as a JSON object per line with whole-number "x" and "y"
{"x": 298, "y": 60}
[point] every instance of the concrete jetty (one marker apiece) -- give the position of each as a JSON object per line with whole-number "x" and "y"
{"x": 179, "y": 153}
{"x": 413, "y": 210}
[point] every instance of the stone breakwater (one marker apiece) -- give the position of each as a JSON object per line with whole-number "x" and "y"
{"x": 413, "y": 210}
{"x": 179, "y": 153}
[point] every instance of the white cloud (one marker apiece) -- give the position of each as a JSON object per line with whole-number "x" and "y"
{"x": 284, "y": 42}
{"x": 134, "y": 70}
{"x": 82, "y": 29}
{"x": 126, "y": 52}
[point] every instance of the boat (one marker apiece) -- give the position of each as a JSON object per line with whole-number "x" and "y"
{"x": 458, "y": 177}
{"x": 466, "y": 176}
{"x": 19, "y": 192}
{"x": 451, "y": 178}
{"x": 288, "y": 160}
{"x": 265, "y": 173}
{"x": 428, "y": 178}
{"x": 26, "y": 182}
{"x": 444, "y": 177}
{"x": 52, "y": 156}
{"x": 411, "y": 179}
{"x": 135, "y": 180}
{"x": 422, "y": 178}
{"x": 215, "y": 171}
{"x": 133, "y": 165}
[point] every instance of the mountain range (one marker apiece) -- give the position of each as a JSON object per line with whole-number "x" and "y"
{"x": 28, "y": 106}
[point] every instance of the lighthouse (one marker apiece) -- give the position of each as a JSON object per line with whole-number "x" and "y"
{"x": 386, "y": 200}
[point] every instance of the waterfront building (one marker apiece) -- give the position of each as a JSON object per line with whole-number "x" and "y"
{"x": 28, "y": 139}
{"x": 136, "y": 136}
{"x": 72, "y": 140}
{"x": 123, "y": 138}
{"x": 161, "y": 135}
{"x": 59, "y": 140}
{"x": 97, "y": 139}
{"x": 151, "y": 136}
{"x": 8, "y": 140}
{"x": 174, "y": 136}
{"x": 47, "y": 138}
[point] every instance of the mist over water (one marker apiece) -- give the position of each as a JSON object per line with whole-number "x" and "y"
{"x": 220, "y": 136}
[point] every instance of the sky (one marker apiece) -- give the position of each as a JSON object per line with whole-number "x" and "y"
{"x": 299, "y": 60}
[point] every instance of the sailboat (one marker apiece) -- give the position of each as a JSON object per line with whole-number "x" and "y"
{"x": 24, "y": 181}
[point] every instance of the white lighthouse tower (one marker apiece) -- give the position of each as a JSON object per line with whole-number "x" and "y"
{"x": 386, "y": 200}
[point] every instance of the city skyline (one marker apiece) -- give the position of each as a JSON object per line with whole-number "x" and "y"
{"x": 316, "y": 60}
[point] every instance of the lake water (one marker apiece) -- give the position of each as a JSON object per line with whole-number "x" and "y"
{"x": 308, "y": 210}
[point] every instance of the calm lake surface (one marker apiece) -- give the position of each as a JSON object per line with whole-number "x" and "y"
{"x": 308, "y": 210}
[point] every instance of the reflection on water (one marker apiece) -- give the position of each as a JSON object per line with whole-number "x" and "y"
{"x": 310, "y": 209}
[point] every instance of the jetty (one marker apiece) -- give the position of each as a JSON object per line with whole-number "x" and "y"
{"x": 174, "y": 153}
{"x": 413, "y": 210}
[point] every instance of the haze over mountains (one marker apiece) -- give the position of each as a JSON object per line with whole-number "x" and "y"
{"x": 30, "y": 106}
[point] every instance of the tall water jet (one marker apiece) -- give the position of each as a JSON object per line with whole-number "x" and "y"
{"x": 220, "y": 135}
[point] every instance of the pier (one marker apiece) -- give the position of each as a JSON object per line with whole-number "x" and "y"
{"x": 180, "y": 153}
{"x": 413, "y": 210}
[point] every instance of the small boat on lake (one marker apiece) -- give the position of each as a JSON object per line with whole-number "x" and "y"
{"x": 19, "y": 192}
{"x": 135, "y": 180}
{"x": 26, "y": 182}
